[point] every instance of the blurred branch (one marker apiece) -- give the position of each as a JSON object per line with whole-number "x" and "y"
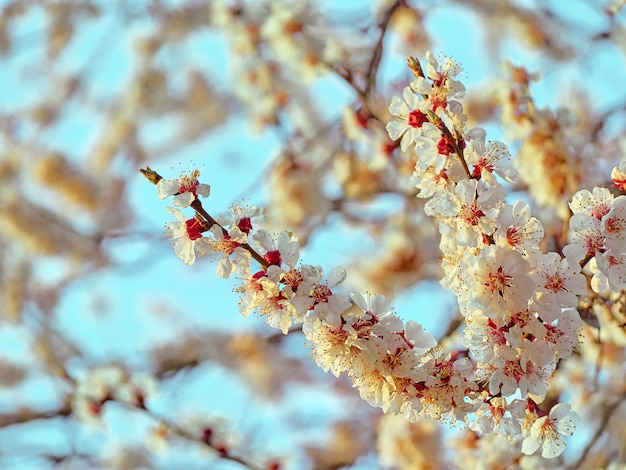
{"x": 608, "y": 412}
{"x": 27, "y": 415}
{"x": 221, "y": 451}
{"x": 377, "y": 55}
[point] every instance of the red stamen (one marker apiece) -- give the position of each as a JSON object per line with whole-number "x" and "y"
{"x": 417, "y": 118}
{"x": 194, "y": 229}
{"x": 361, "y": 118}
{"x": 207, "y": 434}
{"x": 245, "y": 225}
{"x": 273, "y": 257}
{"x": 620, "y": 184}
{"x": 444, "y": 146}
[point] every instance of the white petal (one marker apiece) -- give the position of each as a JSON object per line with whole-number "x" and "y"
{"x": 530, "y": 446}
{"x": 224, "y": 268}
{"x": 414, "y": 332}
{"x": 203, "y": 190}
{"x": 379, "y": 304}
{"x": 336, "y": 276}
{"x": 167, "y": 187}
{"x": 183, "y": 200}
{"x": 359, "y": 299}
{"x": 184, "y": 250}
{"x": 176, "y": 213}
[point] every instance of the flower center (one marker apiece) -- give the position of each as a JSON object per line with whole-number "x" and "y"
{"x": 444, "y": 146}
{"x": 227, "y": 245}
{"x": 498, "y": 281}
{"x": 188, "y": 185}
{"x": 513, "y": 236}
{"x": 273, "y": 257}
{"x": 194, "y": 229}
{"x": 417, "y": 118}
{"x": 471, "y": 214}
{"x": 594, "y": 244}
{"x": 245, "y": 225}
{"x": 321, "y": 293}
{"x": 600, "y": 211}
{"x": 555, "y": 283}
{"x": 614, "y": 225}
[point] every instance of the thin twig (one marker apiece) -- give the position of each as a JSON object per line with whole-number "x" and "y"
{"x": 196, "y": 205}
{"x": 601, "y": 428}
{"x": 27, "y": 415}
{"x": 377, "y": 55}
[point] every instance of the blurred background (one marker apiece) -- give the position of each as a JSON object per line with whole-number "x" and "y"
{"x": 281, "y": 105}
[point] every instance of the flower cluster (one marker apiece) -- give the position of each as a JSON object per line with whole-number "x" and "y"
{"x": 598, "y": 234}
{"x": 392, "y": 364}
{"x": 107, "y": 383}
{"x": 518, "y": 303}
{"x": 284, "y": 50}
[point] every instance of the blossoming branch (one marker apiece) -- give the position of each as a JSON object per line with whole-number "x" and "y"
{"x": 519, "y": 304}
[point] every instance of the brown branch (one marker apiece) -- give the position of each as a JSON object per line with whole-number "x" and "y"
{"x": 603, "y": 118}
{"x": 608, "y": 412}
{"x": 586, "y": 260}
{"x": 181, "y": 432}
{"x": 26, "y": 415}
{"x": 377, "y": 56}
{"x": 441, "y": 126}
{"x": 196, "y": 205}
{"x": 347, "y": 77}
